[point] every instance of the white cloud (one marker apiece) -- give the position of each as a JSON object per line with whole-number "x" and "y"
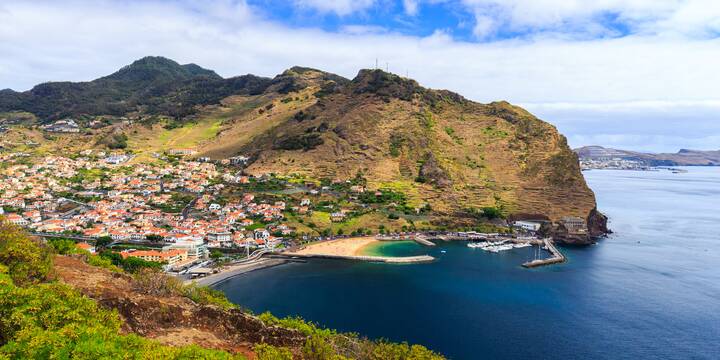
{"x": 590, "y": 17}
{"x": 362, "y": 29}
{"x": 339, "y": 7}
{"x": 570, "y": 83}
{"x": 411, "y": 7}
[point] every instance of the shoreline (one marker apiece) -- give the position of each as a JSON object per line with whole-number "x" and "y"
{"x": 352, "y": 249}
{"x": 236, "y": 270}
{"x": 352, "y": 246}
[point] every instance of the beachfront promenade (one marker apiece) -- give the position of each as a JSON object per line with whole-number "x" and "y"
{"x": 237, "y": 269}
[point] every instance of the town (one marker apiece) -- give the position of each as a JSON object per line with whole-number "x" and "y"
{"x": 176, "y": 204}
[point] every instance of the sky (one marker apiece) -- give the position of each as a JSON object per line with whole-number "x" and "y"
{"x": 632, "y": 74}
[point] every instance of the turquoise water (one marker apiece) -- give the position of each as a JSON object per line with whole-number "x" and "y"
{"x": 651, "y": 290}
{"x": 395, "y": 248}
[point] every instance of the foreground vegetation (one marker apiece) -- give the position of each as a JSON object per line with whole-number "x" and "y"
{"x": 42, "y": 318}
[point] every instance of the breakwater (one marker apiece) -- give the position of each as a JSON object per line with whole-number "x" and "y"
{"x": 556, "y": 258}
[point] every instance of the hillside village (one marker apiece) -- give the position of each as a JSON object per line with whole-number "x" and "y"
{"x": 98, "y": 194}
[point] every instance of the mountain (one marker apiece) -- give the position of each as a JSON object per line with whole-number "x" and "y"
{"x": 440, "y": 150}
{"x": 684, "y": 157}
{"x": 152, "y": 85}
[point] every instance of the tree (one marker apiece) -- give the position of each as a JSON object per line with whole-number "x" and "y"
{"x": 216, "y": 255}
{"x": 102, "y": 242}
{"x": 153, "y": 237}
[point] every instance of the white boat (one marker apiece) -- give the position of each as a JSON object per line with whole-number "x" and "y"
{"x": 477, "y": 244}
{"x": 522, "y": 245}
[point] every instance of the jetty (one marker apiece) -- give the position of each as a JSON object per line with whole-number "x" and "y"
{"x": 418, "y": 238}
{"x": 422, "y": 240}
{"x": 556, "y": 258}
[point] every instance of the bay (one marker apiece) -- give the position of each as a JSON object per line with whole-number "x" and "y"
{"x": 650, "y": 290}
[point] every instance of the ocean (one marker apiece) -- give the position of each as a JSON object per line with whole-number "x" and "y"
{"x": 651, "y": 290}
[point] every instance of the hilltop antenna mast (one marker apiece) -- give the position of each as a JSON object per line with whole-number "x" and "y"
{"x": 376, "y": 63}
{"x": 387, "y": 67}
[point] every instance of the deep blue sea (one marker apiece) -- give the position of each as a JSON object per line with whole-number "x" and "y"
{"x": 649, "y": 291}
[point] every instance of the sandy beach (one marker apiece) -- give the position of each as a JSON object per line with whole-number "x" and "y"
{"x": 339, "y": 247}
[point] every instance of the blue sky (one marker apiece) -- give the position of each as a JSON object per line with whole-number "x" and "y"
{"x": 634, "y": 74}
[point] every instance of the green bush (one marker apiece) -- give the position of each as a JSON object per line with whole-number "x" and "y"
{"x": 318, "y": 348}
{"x": 63, "y": 246}
{"x": 102, "y": 262}
{"x": 207, "y": 296}
{"x": 27, "y": 260}
{"x": 269, "y": 352}
{"x": 54, "y": 321}
{"x": 392, "y": 351}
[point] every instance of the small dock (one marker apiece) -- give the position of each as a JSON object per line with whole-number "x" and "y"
{"x": 556, "y": 258}
{"x": 422, "y": 240}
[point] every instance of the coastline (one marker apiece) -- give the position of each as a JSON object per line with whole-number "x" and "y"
{"x": 236, "y": 270}
{"x": 352, "y": 249}
{"x": 339, "y": 247}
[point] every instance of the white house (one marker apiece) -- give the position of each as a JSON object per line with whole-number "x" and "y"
{"x": 224, "y": 238}
{"x": 262, "y": 234}
{"x": 527, "y": 225}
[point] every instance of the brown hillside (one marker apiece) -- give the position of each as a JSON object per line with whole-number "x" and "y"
{"x": 435, "y": 146}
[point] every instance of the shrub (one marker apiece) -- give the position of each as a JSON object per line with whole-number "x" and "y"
{"x": 63, "y": 246}
{"x": 305, "y": 142}
{"x": 269, "y": 352}
{"x": 207, "y": 296}
{"x": 28, "y": 261}
{"x": 102, "y": 262}
{"x": 391, "y": 351}
{"x": 153, "y": 282}
{"x": 318, "y": 348}
{"x": 54, "y": 321}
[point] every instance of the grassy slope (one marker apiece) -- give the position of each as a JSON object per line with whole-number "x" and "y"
{"x": 491, "y": 161}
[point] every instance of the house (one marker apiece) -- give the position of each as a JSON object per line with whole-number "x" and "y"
{"x": 85, "y": 246}
{"x": 239, "y": 160}
{"x": 223, "y": 238}
{"x": 574, "y": 224}
{"x": 305, "y": 202}
{"x": 261, "y": 234}
{"x": 214, "y": 207}
{"x": 181, "y": 152}
{"x": 337, "y": 216}
{"x": 63, "y": 126}
{"x": 169, "y": 257}
{"x": 16, "y": 219}
{"x": 527, "y": 225}
{"x": 116, "y": 159}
